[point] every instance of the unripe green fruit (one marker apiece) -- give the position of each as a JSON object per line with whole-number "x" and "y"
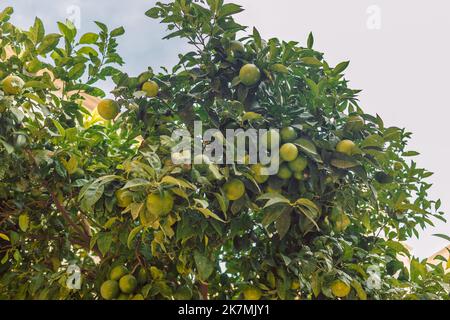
{"x": 249, "y": 74}
{"x": 288, "y": 134}
{"x": 298, "y": 165}
{"x": 284, "y": 172}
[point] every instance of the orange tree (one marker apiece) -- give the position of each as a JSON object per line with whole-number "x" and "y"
{"x": 99, "y": 191}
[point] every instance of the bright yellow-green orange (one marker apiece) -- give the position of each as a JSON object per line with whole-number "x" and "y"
{"x": 252, "y": 293}
{"x": 288, "y": 134}
{"x": 298, "y": 165}
{"x": 138, "y": 297}
{"x": 127, "y": 284}
{"x": 284, "y": 172}
{"x": 108, "y": 109}
{"x": 150, "y": 88}
{"x": 288, "y": 152}
{"x": 12, "y": 85}
{"x": 340, "y": 289}
{"x": 270, "y": 137}
{"x": 160, "y": 204}
{"x": 118, "y": 272}
{"x": 259, "y": 173}
{"x": 124, "y": 198}
{"x": 346, "y": 147}
{"x": 234, "y": 189}
{"x": 249, "y": 74}
{"x": 109, "y": 290}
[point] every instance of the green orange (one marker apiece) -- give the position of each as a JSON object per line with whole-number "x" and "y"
{"x": 109, "y": 289}
{"x": 128, "y": 283}
{"x": 347, "y": 147}
{"x": 150, "y": 88}
{"x": 249, "y": 74}
{"x": 160, "y": 204}
{"x": 118, "y": 272}
{"x": 288, "y": 134}
{"x": 108, "y": 109}
{"x": 234, "y": 189}
{"x": 298, "y": 165}
{"x": 12, "y": 85}
{"x": 288, "y": 152}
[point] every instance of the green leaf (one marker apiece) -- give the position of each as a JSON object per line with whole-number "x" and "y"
{"x": 60, "y": 128}
{"x": 229, "y": 9}
{"x": 442, "y": 236}
{"x": 398, "y": 247}
{"x": 283, "y": 223}
{"x": 133, "y": 234}
{"x": 341, "y": 67}
{"x": 278, "y": 67}
{"x": 205, "y": 267}
{"x": 24, "y": 222}
{"x": 104, "y": 242}
{"x": 310, "y": 42}
{"x": 4, "y": 237}
{"x": 117, "y": 32}
{"x": 77, "y": 71}
{"x": 274, "y": 198}
{"x": 9, "y": 148}
{"x": 89, "y": 38}
{"x": 359, "y": 290}
{"x": 38, "y": 30}
{"x": 344, "y": 164}
{"x": 312, "y": 61}
{"x": 410, "y": 154}
{"x": 208, "y": 213}
{"x": 49, "y": 43}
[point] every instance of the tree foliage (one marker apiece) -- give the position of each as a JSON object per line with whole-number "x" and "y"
{"x": 79, "y": 190}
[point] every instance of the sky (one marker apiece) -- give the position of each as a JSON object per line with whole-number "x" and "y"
{"x": 398, "y": 51}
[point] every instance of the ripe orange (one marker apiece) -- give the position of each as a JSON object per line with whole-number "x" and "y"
{"x": 346, "y": 147}
{"x": 12, "y": 85}
{"x": 234, "y": 189}
{"x": 288, "y": 152}
{"x": 249, "y": 74}
{"x": 151, "y": 88}
{"x": 108, "y": 109}
{"x": 160, "y": 204}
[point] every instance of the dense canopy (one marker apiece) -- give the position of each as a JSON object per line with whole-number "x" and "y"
{"x": 99, "y": 190}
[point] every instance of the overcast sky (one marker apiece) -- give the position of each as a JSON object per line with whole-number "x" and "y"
{"x": 399, "y": 52}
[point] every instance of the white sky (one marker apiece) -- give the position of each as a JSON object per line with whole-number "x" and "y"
{"x": 399, "y": 52}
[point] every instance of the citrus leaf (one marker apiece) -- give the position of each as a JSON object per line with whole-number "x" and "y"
{"x": 133, "y": 233}
{"x": 24, "y": 222}
{"x": 205, "y": 267}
